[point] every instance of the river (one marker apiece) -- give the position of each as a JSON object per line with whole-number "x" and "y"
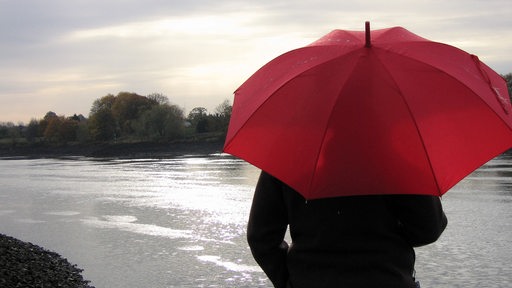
{"x": 181, "y": 222}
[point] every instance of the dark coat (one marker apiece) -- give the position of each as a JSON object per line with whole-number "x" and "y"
{"x": 358, "y": 241}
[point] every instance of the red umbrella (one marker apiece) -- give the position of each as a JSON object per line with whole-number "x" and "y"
{"x": 350, "y": 115}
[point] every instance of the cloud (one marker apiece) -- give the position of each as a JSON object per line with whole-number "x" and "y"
{"x": 61, "y": 55}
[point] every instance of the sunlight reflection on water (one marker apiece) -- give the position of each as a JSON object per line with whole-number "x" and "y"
{"x": 181, "y": 222}
{"x": 184, "y": 212}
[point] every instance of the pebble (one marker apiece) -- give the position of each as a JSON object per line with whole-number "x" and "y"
{"x": 26, "y": 265}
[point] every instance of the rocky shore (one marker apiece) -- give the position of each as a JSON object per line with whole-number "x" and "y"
{"x": 27, "y": 265}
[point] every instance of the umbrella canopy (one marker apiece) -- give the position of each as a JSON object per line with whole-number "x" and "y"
{"x": 356, "y": 113}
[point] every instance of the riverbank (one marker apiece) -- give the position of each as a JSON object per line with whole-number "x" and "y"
{"x": 24, "y": 264}
{"x": 114, "y": 150}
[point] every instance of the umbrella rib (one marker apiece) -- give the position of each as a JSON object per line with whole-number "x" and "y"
{"x": 409, "y": 109}
{"x": 453, "y": 77}
{"x": 282, "y": 85}
{"x": 325, "y": 131}
{"x": 228, "y": 143}
{"x": 413, "y": 118}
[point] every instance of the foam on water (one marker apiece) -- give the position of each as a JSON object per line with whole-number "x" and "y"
{"x": 126, "y": 223}
{"x": 232, "y": 266}
{"x": 62, "y": 213}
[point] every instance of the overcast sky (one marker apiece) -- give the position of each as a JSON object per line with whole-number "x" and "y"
{"x": 61, "y": 55}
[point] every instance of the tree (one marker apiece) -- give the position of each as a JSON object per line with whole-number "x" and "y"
{"x": 82, "y": 132}
{"x": 61, "y": 129}
{"x": 49, "y": 126}
{"x": 162, "y": 122}
{"x": 103, "y": 103}
{"x": 49, "y": 115}
{"x": 4, "y": 131}
{"x": 198, "y": 119}
{"x": 32, "y": 132}
{"x": 68, "y": 130}
{"x": 12, "y": 131}
{"x": 51, "y": 132}
{"x": 102, "y": 126}
{"x": 224, "y": 109}
{"x": 158, "y": 98}
{"x": 197, "y": 112}
{"x": 508, "y": 78}
{"x": 127, "y": 107}
{"x": 223, "y": 113}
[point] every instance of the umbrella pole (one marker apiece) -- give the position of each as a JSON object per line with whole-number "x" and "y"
{"x": 368, "y": 43}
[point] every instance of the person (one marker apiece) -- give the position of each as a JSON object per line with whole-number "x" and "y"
{"x": 350, "y": 241}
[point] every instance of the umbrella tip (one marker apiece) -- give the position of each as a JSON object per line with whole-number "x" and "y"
{"x": 368, "y": 42}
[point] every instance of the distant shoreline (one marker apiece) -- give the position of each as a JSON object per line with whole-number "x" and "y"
{"x": 113, "y": 150}
{"x": 157, "y": 150}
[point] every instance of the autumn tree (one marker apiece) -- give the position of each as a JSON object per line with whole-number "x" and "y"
{"x": 49, "y": 126}
{"x": 127, "y": 107}
{"x": 102, "y": 125}
{"x": 112, "y": 116}
{"x": 43, "y": 123}
{"x": 158, "y": 98}
{"x": 103, "y": 103}
{"x": 130, "y": 114}
{"x": 161, "y": 122}
{"x": 68, "y": 129}
{"x": 60, "y": 129}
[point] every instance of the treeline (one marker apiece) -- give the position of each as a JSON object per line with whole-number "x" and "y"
{"x": 125, "y": 117}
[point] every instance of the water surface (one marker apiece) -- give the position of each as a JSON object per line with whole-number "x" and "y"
{"x": 181, "y": 222}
